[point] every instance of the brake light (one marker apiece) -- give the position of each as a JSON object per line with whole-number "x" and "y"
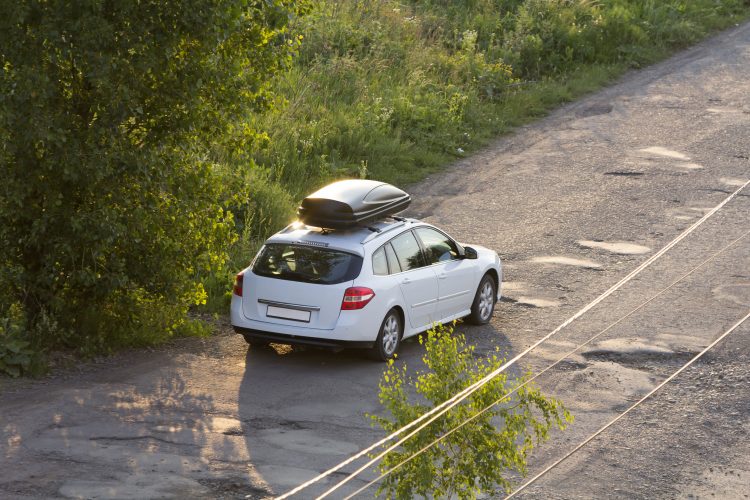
{"x": 356, "y": 297}
{"x": 238, "y": 282}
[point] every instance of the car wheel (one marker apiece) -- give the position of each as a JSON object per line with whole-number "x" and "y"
{"x": 484, "y": 301}
{"x": 253, "y": 342}
{"x": 389, "y": 337}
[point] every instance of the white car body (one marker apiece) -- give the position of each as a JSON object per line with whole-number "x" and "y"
{"x": 312, "y": 313}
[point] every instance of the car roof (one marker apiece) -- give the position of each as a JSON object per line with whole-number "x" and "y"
{"x": 350, "y": 240}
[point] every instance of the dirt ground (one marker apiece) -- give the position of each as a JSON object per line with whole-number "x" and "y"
{"x": 572, "y": 204}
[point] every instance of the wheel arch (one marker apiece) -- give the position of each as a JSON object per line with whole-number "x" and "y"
{"x": 492, "y": 272}
{"x": 402, "y": 315}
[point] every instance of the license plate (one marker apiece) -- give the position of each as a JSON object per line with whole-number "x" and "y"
{"x": 290, "y": 314}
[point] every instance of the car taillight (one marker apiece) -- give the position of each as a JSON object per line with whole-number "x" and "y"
{"x": 238, "y": 281}
{"x": 356, "y": 297}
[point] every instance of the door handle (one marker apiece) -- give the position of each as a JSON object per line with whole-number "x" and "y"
{"x": 442, "y": 276}
{"x": 405, "y": 281}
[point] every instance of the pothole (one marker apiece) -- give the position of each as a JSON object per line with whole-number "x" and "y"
{"x": 688, "y": 166}
{"x": 536, "y": 302}
{"x": 167, "y": 428}
{"x": 624, "y": 173}
{"x": 723, "y": 110}
{"x": 226, "y": 426}
{"x": 567, "y": 261}
{"x": 665, "y": 153}
{"x": 688, "y": 213}
{"x": 594, "y": 110}
{"x": 513, "y": 286}
{"x": 569, "y": 365}
{"x": 618, "y": 247}
{"x": 728, "y": 181}
{"x": 306, "y": 441}
{"x": 635, "y": 352}
{"x": 237, "y": 487}
{"x": 739, "y": 293}
{"x": 637, "y": 358}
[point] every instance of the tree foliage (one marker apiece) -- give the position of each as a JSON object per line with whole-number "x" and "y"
{"x": 474, "y": 459}
{"x": 114, "y": 120}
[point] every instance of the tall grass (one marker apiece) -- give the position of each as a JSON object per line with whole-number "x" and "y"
{"x": 395, "y": 90}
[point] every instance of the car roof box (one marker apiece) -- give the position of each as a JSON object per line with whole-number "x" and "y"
{"x": 350, "y": 203}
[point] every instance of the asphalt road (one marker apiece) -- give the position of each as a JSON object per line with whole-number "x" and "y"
{"x": 572, "y": 203}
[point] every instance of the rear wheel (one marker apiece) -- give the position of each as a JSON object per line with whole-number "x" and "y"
{"x": 389, "y": 337}
{"x": 484, "y": 301}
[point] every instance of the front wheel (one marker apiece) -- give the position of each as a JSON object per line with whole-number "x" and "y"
{"x": 389, "y": 337}
{"x": 484, "y": 301}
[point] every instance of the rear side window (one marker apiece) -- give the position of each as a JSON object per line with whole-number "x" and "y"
{"x": 408, "y": 253}
{"x": 438, "y": 247}
{"x": 307, "y": 264}
{"x": 379, "y": 263}
{"x": 392, "y": 259}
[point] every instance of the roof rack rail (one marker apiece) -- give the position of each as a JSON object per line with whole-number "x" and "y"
{"x": 400, "y": 221}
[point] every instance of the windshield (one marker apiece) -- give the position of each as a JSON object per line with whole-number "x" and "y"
{"x": 307, "y": 264}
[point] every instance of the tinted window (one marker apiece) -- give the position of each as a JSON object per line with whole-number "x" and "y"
{"x": 438, "y": 247}
{"x": 392, "y": 260}
{"x": 379, "y": 263}
{"x": 408, "y": 253}
{"x": 307, "y": 264}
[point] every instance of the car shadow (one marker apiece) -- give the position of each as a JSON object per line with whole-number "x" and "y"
{"x": 305, "y": 410}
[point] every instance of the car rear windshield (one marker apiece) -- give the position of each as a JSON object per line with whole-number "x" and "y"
{"x": 307, "y": 264}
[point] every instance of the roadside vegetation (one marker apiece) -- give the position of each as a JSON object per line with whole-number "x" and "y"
{"x": 394, "y": 90}
{"x": 147, "y": 149}
{"x": 463, "y": 453}
{"x": 117, "y": 122}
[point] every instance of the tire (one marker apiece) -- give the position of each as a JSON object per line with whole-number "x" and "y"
{"x": 484, "y": 301}
{"x": 255, "y": 343}
{"x": 389, "y": 337}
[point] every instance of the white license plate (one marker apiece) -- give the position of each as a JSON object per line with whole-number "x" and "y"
{"x": 291, "y": 314}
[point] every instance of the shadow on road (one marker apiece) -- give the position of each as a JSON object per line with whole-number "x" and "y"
{"x": 303, "y": 411}
{"x": 143, "y": 439}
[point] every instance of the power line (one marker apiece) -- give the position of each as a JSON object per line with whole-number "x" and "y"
{"x": 445, "y": 406}
{"x": 644, "y": 398}
{"x": 526, "y": 382}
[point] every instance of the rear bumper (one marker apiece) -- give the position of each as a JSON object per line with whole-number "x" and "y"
{"x": 281, "y": 338}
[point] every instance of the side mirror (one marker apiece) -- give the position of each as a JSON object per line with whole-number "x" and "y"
{"x": 470, "y": 253}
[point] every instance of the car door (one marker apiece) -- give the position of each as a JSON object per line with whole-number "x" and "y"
{"x": 456, "y": 276}
{"x": 417, "y": 281}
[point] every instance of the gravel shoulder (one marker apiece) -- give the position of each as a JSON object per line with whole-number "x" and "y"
{"x": 572, "y": 203}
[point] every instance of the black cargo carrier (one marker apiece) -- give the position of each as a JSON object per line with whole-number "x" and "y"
{"x": 347, "y": 204}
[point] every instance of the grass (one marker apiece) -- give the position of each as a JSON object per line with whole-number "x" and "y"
{"x": 395, "y": 91}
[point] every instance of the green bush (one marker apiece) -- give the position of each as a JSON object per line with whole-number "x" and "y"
{"x": 474, "y": 459}
{"x": 17, "y": 356}
{"x": 118, "y": 123}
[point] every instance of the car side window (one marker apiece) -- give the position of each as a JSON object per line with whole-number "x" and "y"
{"x": 392, "y": 259}
{"x": 408, "y": 252}
{"x": 438, "y": 247}
{"x": 379, "y": 263}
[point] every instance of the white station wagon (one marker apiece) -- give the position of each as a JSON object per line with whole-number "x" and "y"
{"x": 350, "y": 274}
